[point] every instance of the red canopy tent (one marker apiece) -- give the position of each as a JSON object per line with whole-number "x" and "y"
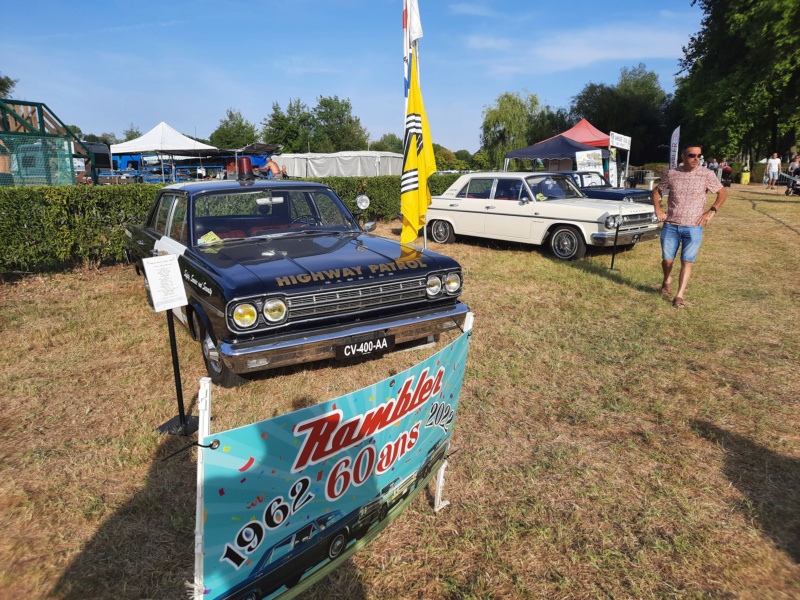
{"x": 586, "y": 133}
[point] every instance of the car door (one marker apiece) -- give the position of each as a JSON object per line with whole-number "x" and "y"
{"x": 469, "y": 207}
{"x": 508, "y": 216}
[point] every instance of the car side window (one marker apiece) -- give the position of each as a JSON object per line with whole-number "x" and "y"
{"x": 328, "y": 211}
{"x": 304, "y": 535}
{"x": 177, "y": 228}
{"x": 281, "y": 549}
{"x": 507, "y": 189}
{"x": 299, "y": 206}
{"x": 477, "y": 188}
{"x": 159, "y": 221}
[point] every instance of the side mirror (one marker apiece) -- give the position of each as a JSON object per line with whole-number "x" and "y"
{"x": 370, "y": 226}
{"x": 524, "y": 200}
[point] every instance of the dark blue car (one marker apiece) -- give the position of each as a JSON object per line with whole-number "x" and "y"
{"x": 595, "y": 185}
{"x": 280, "y": 273}
{"x": 285, "y": 563}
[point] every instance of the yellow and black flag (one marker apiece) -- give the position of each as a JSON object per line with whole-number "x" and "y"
{"x": 419, "y": 162}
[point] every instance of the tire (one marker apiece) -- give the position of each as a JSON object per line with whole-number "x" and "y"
{"x": 338, "y": 543}
{"x": 566, "y": 243}
{"x": 217, "y": 370}
{"x": 292, "y": 581}
{"x": 383, "y": 512}
{"x": 442, "y": 232}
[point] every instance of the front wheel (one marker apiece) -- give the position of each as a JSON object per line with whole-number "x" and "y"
{"x": 442, "y": 232}
{"x": 567, "y": 243}
{"x": 218, "y": 371}
{"x": 337, "y": 544}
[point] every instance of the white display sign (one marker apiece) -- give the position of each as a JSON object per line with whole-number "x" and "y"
{"x": 166, "y": 284}
{"x": 589, "y": 160}
{"x": 619, "y": 141}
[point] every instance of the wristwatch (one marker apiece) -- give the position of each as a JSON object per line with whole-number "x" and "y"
{"x": 714, "y": 208}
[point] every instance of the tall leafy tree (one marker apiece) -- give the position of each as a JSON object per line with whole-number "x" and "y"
{"x": 633, "y": 107}
{"x": 336, "y": 128}
{"x": 291, "y": 129}
{"x": 506, "y": 125}
{"x": 546, "y": 122}
{"x": 388, "y": 142}
{"x": 7, "y": 86}
{"x": 131, "y": 133}
{"x": 234, "y": 131}
{"x": 742, "y": 76}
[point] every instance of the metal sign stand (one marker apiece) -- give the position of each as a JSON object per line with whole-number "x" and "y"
{"x": 180, "y": 424}
{"x": 438, "y": 503}
{"x": 167, "y": 293}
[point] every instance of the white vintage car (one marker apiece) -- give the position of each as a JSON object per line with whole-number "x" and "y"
{"x": 537, "y": 208}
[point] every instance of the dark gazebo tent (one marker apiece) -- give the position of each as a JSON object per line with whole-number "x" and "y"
{"x": 558, "y": 147}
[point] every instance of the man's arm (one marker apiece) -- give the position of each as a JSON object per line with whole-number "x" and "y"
{"x": 722, "y": 194}
{"x": 662, "y": 216}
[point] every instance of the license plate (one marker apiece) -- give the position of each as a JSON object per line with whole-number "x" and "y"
{"x": 370, "y": 347}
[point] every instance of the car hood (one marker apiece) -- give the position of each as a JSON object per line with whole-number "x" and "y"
{"x": 599, "y": 205}
{"x": 310, "y": 262}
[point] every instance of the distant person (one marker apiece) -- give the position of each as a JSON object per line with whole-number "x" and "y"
{"x": 794, "y": 167}
{"x": 284, "y": 174}
{"x": 685, "y": 217}
{"x": 773, "y": 168}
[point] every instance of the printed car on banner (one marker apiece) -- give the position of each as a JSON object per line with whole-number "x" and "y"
{"x": 280, "y": 273}
{"x": 290, "y": 498}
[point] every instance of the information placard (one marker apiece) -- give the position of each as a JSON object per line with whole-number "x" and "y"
{"x": 165, "y": 281}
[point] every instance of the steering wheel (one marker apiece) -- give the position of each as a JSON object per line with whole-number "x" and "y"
{"x": 305, "y": 220}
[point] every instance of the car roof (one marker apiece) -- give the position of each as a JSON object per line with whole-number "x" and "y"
{"x": 194, "y": 187}
{"x": 512, "y": 173}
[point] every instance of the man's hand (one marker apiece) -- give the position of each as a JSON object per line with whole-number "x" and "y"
{"x": 705, "y": 218}
{"x": 661, "y": 215}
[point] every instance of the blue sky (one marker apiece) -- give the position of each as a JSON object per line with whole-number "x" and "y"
{"x": 105, "y": 65}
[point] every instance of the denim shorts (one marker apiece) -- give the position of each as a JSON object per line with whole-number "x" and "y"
{"x": 688, "y": 237}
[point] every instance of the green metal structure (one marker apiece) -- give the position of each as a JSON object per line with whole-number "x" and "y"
{"x": 37, "y": 148}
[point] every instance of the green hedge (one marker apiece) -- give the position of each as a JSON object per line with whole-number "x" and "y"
{"x": 45, "y": 228}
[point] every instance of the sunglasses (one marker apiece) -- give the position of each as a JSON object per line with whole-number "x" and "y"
{"x": 692, "y": 155}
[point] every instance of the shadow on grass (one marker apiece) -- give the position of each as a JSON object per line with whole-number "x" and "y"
{"x": 754, "y": 204}
{"x": 145, "y": 548}
{"x": 769, "y": 481}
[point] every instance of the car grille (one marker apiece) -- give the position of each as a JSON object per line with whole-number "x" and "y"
{"x": 640, "y": 221}
{"x": 354, "y": 299}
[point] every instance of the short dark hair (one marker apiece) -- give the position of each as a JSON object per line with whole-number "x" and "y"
{"x": 687, "y": 146}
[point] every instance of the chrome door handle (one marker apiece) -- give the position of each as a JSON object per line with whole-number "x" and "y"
{"x": 490, "y": 207}
{"x": 453, "y": 205}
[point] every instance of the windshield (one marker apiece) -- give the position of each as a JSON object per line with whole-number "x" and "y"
{"x": 237, "y": 215}
{"x": 594, "y": 180}
{"x": 553, "y": 187}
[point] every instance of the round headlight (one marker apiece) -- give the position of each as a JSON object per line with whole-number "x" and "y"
{"x": 611, "y": 222}
{"x": 434, "y": 286}
{"x": 452, "y": 283}
{"x": 274, "y": 310}
{"x": 245, "y": 315}
{"x": 362, "y": 201}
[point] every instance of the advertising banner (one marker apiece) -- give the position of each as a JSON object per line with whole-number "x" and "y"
{"x": 619, "y": 141}
{"x": 288, "y": 499}
{"x": 589, "y": 160}
{"x": 674, "y": 148}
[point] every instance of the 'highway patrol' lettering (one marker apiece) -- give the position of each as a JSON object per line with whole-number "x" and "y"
{"x": 333, "y": 274}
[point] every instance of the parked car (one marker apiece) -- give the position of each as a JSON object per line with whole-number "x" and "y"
{"x": 280, "y": 273}
{"x": 536, "y": 208}
{"x": 595, "y": 185}
{"x": 285, "y": 563}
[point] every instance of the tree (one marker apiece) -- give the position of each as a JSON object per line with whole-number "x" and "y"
{"x": 546, "y": 122}
{"x": 388, "y": 142}
{"x": 506, "y": 124}
{"x": 131, "y": 133}
{"x": 7, "y": 86}
{"x": 464, "y": 156}
{"x": 107, "y": 138}
{"x": 742, "y": 77}
{"x": 234, "y": 131}
{"x": 291, "y": 129}
{"x": 335, "y": 127}
{"x": 633, "y": 107}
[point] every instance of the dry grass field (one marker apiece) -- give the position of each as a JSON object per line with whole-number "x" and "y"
{"x": 607, "y": 445}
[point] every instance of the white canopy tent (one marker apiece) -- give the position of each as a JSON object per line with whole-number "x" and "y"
{"x": 357, "y": 163}
{"x": 161, "y": 139}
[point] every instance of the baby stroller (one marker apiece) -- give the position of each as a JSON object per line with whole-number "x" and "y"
{"x": 726, "y": 176}
{"x": 793, "y": 183}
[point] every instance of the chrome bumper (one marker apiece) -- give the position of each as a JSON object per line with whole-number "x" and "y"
{"x": 625, "y": 237}
{"x": 247, "y": 357}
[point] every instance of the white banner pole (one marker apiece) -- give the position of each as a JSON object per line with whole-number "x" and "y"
{"x": 204, "y": 429}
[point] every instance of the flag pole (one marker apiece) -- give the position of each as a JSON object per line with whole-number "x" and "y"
{"x": 424, "y": 225}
